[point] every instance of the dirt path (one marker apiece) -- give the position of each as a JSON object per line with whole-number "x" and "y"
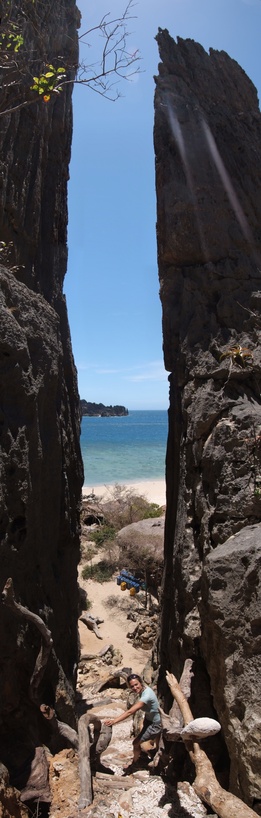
{"x": 116, "y": 625}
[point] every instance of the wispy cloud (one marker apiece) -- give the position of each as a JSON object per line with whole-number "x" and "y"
{"x": 108, "y": 371}
{"x": 98, "y": 368}
{"x": 87, "y": 367}
{"x": 145, "y": 371}
{"x": 152, "y": 371}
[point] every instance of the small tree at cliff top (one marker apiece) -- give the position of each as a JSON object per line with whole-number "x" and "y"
{"x": 31, "y": 74}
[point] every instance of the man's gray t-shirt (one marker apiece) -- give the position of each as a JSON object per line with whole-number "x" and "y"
{"x": 151, "y": 705}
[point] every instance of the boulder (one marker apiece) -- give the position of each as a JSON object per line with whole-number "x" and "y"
{"x": 142, "y": 542}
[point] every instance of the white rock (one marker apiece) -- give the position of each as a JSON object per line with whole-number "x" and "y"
{"x": 200, "y": 728}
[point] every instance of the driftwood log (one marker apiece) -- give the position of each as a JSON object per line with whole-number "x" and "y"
{"x": 113, "y": 678}
{"x": 86, "y": 792}
{"x": 85, "y": 744}
{"x": 173, "y": 722}
{"x": 206, "y": 785}
{"x": 92, "y": 623}
{"x": 59, "y": 727}
{"x": 9, "y": 600}
{"x": 81, "y": 741}
{"x": 119, "y": 782}
{"x": 102, "y": 737}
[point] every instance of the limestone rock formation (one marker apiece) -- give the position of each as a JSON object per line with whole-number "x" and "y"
{"x": 41, "y": 470}
{"x": 208, "y": 174}
{"x": 231, "y": 644}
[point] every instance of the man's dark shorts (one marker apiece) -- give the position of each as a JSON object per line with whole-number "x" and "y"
{"x": 149, "y": 731}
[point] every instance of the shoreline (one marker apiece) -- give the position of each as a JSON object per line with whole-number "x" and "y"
{"x": 153, "y": 490}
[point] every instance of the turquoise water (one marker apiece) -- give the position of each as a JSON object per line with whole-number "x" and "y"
{"x": 121, "y": 450}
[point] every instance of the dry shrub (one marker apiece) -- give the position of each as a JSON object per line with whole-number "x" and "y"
{"x": 124, "y": 507}
{"x": 88, "y": 551}
{"x": 100, "y": 572}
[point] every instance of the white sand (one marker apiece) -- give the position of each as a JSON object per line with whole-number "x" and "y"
{"x": 114, "y": 629}
{"x": 153, "y": 490}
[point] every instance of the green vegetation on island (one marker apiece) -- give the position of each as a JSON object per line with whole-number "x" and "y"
{"x": 99, "y": 410}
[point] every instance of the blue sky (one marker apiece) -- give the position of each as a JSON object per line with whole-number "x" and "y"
{"x": 112, "y": 281}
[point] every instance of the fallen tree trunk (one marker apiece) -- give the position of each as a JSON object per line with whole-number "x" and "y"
{"x": 82, "y": 742}
{"x": 86, "y": 794}
{"x": 173, "y": 722}
{"x": 102, "y": 737}
{"x": 118, "y": 782}
{"x": 100, "y": 702}
{"x": 206, "y": 785}
{"x": 112, "y": 678}
{"x": 91, "y": 624}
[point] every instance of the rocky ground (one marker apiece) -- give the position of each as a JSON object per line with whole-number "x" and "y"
{"x": 115, "y": 794}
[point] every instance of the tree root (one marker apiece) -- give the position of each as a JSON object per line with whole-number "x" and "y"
{"x": 206, "y": 785}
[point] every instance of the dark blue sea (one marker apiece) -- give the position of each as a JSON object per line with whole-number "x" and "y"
{"x": 126, "y": 449}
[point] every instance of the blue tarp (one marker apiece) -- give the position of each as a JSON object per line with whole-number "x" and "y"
{"x": 131, "y": 581}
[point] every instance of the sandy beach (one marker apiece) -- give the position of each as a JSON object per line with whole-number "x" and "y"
{"x": 153, "y": 490}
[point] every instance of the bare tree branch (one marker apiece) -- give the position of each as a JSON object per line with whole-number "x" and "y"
{"x": 23, "y": 54}
{"x": 59, "y": 727}
{"x": 9, "y": 600}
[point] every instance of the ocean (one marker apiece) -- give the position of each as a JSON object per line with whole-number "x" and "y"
{"x": 124, "y": 449}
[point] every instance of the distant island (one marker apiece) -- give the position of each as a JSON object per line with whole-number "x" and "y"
{"x": 98, "y": 410}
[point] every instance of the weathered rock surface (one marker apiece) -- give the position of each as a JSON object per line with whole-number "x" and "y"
{"x": 208, "y": 173}
{"x": 41, "y": 471}
{"x": 146, "y": 535}
{"x": 231, "y": 643}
